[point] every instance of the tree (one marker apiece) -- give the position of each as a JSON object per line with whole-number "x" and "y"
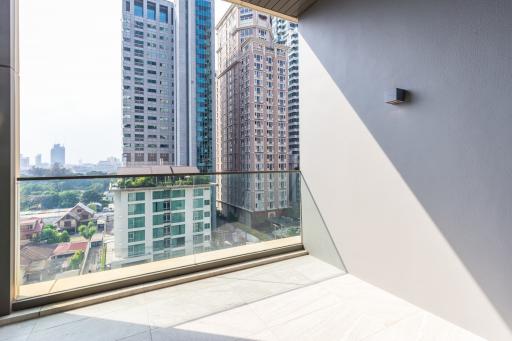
{"x": 68, "y": 199}
{"x": 51, "y": 236}
{"x": 87, "y": 231}
{"x": 91, "y": 196}
{"x": 50, "y": 200}
{"x": 64, "y": 237}
{"x": 76, "y": 259}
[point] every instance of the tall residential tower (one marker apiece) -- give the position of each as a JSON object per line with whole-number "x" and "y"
{"x": 252, "y": 115}
{"x": 168, "y": 115}
{"x": 287, "y": 33}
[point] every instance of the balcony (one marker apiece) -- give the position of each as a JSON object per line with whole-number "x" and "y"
{"x": 116, "y": 231}
{"x": 302, "y": 298}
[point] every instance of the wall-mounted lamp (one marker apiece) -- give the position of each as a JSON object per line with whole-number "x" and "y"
{"x": 396, "y": 96}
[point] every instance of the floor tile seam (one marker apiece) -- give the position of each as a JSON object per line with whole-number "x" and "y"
{"x": 297, "y": 317}
{"x": 137, "y": 333}
{"x": 34, "y": 331}
{"x": 81, "y": 319}
{"x": 412, "y": 314}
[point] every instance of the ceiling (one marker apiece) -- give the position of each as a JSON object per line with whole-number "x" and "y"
{"x": 289, "y": 9}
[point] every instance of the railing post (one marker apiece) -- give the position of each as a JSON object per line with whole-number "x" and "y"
{"x": 8, "y": 148}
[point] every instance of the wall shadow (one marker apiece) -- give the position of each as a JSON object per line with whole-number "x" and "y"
{"x": 451, "y": 143}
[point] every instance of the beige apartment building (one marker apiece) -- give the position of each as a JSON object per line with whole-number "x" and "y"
{"x": 252, "y": 115}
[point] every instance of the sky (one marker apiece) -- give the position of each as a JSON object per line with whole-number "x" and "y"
{"x": 70, "y": 78}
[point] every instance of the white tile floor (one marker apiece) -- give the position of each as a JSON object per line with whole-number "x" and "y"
{"x": 298, "y": 299}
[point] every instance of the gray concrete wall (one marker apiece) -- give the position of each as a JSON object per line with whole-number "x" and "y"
{"x": 417, "y": 197}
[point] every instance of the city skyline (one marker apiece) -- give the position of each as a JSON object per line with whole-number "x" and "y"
{"x": 90, "y": 74}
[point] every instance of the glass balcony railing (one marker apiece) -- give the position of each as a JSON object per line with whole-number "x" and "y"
{"x": 80, "y": 232}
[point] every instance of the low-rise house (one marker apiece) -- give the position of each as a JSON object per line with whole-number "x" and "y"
{"x": 65, "y": 250}
{"x": 78, "y": 215}
{"x": 35, "y": 262}
{"x": 30, "y": 228}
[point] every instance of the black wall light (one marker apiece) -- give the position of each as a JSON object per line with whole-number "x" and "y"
{"x": 396, "y": 96}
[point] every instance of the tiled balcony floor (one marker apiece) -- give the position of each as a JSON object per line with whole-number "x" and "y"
{"x": 297, "y": 299}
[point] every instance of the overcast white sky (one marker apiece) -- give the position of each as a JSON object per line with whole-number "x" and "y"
{"x": 70, "y": 77}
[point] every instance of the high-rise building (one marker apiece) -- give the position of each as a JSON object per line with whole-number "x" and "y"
{"x": 24, "y": 162}
{"x": 38, "y": 160}
{"x": 168, "y": 83}
{"x": 287, "y": 33}
{"x": 58, "y": 155}
{"x": 148, "y": 82}
{"x": 195, "y": 121}
{"x": 252, "y": 115}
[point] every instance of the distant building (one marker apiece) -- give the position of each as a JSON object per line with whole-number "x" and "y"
{"x": 38, "y": 160}
{"x": 24, "y": 162}
{"x": 252, "y": 115}
{"x": 168, "y": 82}
{"x": 159, "y": 221}
{"x": 34, "y": 262}
{"x": 30, "y": 228}
{"x": 58, "y": 155}
{"x": 76, "y": 216}
{"x": 110, "y": 165}
{"x": 287, "y": 33}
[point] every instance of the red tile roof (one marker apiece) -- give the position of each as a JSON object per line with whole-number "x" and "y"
{"x": 64, "y": 248}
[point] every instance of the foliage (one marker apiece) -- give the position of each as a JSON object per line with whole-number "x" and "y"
{"x": 93, "y": 207}
{"x": 51, "y": 194}
{"x": 87, "y": 231}
{"x": 172, "y": 180}
{"x": 50, "y": 235}
{"x": 91, "y": 195}
{"x": 76, "y": 259}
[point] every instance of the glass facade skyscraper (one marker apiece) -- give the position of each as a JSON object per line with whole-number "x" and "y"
{"x": 204, "y": 85}
{"x": 168, "y": 83}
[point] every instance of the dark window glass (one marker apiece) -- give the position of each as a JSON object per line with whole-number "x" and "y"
{"x": 151, "y": 10}
{"x": 164, "y": 17}
{"x": 127, "y": 7}
{"x": 138, "y": 8}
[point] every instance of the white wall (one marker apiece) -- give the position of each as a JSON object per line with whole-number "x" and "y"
{"x": 417, "y": 197}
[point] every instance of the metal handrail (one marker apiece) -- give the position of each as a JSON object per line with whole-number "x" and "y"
{"x": 122, "y": 176}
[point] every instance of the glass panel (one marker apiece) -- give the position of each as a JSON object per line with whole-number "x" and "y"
{"x": 82, "y": 227}
{"x": 151, "y": 10}
{"x": 139, "y": 8}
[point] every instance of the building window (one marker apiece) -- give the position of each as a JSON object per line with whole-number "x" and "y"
{"x": 138, "y": 222}
{"x": 160, "y": 219}
{"x": 178, "y": 242}
{"x": 161, "y": 206}
{"x": 198, "y": 192}
{"x": 136, "y": 236}
{"x": 198, "y": 239}
{"x": 178, "y": 229}
{"x": 177, "y": 205}
{"x": 164, "y": 17}
{"x": 136, "y": 250}
{"x": 136, "y": 209}
{"x": 138, "y": 196}
{"x": 198, "y": 215}
{"x": 198, "y": 203}
{"x": 138, "y": 8}
{"x": 161, "y": 195}
{"x": 206, "y": 225}
{"x": 127, "y": 6}
{"x": 160, "y": 232}
{"x": 198, "y": 227}
{"x": 178, "y": 193}
{"x": 178, "y": 217}
{"x": 151, "y": 10}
